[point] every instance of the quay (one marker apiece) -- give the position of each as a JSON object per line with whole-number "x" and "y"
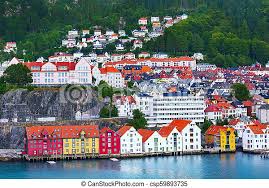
{"x": 118, "y": 156}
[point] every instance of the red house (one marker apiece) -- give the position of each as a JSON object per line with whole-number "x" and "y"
{"x": 44, "y": 141}
{"x": 109, "y": 142}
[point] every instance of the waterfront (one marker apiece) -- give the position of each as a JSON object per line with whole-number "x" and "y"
{"x": 224, "y": 166}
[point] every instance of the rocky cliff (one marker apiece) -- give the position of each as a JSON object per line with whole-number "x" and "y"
{"x": 62, "y": 104}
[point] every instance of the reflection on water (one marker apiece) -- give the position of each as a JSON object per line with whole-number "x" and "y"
{"x": 197, "y": 166}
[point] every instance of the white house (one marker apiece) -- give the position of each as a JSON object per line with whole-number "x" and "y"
{"x": 130, "y": 140}
{"x": 155, "y": 19}
{"x": 173, "y": 139}
{"x": 263, "y": 113}
{"x": 144, "y": 55}
{"x": 143, "y": 21}
{"x": 97, "y": 32}
{"x": 61, "y": 57}
{"x": 153, "y": 142}
{"x": 10, "y": 47}
{"x": 6, "y": 64}
{"x": 213, "y": 113}
{"x": 137, "y": 44}
{"x": 129, "y": 56}
{"x": 60, "y": 73}
{"x": 256, "y": 138}
{"x": 116, "y": 57}
{"x": 190, "y": 134}
{"x": 110, "y": 75}
{"x": 122, "y": 33}
{"x": 119, "y": 47}
{"x": 125, "y": 105}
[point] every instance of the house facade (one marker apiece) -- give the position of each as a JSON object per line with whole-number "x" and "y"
{"x": 153, "y": 142}
{"x": 109, "y": 142}
{"x": 44, "y": 141}
{"x": 130, "y": 140}
{"x": 80, "y": 140}
{"x": 220, "y": 137}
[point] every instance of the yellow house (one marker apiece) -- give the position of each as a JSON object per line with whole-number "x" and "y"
{"x": 221, "y": 137}
{"x": 80, "y": 140}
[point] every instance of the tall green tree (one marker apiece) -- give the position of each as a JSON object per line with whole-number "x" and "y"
{"x": 138, "y": 121}
{"x": 18, "y": 75}
{"x": 240, "y": 92}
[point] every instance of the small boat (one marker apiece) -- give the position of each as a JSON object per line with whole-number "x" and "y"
{"x": 51, "y": 162}
{"x": 114, "y": 159}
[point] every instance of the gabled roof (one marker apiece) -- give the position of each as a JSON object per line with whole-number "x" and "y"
{"x": 124, "y": 129}
{"x": 213, "y": 108}
{"x": 75, "y": 131}
{"x": 180, "y": 124}
{"x": 215, "y": 129}
{"x": 145, "y": 133}
{"x": 234, "y": 121}
{"x": 166, "y": 130}
{"x": 256, "y": 129}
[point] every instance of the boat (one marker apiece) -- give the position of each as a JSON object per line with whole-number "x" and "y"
{"x": 114, "y": 159}
{"x": 51, "y": 162}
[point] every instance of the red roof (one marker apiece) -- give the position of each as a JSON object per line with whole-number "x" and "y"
{"x": 123, "y": 129}
{"x": 180, "y": 124}
{"x": 215, "y": 129}
{"x": 105, "y": 129}
{"x": 166, "y": 130}
{"x": 256, "y": 129}
{"x": 234, "y": 121}
{"x": 213, "y": 108}
{"x": 247, "y": 103}
{"x": 75, "y": 131}
{"x": 109, "y": 70}
{"x": 145, "y": 133}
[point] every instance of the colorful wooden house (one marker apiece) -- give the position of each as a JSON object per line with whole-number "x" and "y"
{"x": 220, "y": 137}
{"x": 44, "y": 141}
{"x": 109, "y": 142}
{"x": 80, "y": 140}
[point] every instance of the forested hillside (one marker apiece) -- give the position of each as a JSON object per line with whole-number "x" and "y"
{"x": 229, "y": 32}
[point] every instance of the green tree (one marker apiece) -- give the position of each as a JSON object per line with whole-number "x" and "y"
{"x": 105, "y": 112}
{"x": 138, "y": 121}
{"x": 206, "y": 125}
{"x": 240, "y": 92}
{"x": 18, "y": 75}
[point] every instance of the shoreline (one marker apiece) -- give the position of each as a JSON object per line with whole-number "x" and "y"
{"x": 9, "y": 157}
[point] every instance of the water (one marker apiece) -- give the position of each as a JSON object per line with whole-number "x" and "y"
{"x": 225, "y": 166}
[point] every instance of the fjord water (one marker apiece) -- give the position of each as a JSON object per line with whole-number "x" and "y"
{"x": 224, "y": 166}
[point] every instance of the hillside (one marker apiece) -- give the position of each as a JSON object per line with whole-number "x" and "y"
{"x": 229, "y": 32}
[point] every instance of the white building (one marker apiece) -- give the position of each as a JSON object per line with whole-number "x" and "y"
{"x": 110, "y": 75}
{"x": 182, "y": 136}
{"x": 263, "y": 113}
{"x": 155, "y": 19}
{"x": 213, "y": 113}
{"x": 205, "y": 67}
{"x": 6, "y": 64}
{"x": 144, "y": 55}
{"x": 162, "y": 108}
{"x": 125, "y": 105}
{"x": 60, "y": 73}
{"x": 143, "y": 21}
{"x": 10, "y": 47}
{"x": 153, "y": 142}
{"x": 130, "y": 140}
{"x": 61, "y": 57}
{"x": 173, "y": 139}
{"x": 256, "y": 138}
